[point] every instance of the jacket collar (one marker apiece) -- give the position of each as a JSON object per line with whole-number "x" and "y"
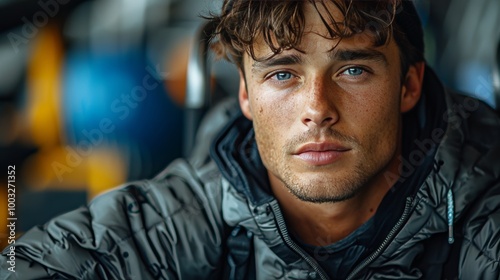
{"x": 235, "y": 152}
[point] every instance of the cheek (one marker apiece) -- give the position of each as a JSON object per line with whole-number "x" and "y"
{"x": 266, "y": 122}
{"x": 268, "y": 141}
{"x": 272, "y": 121}
{"x": 272, "y": 111}
{"x": 376, "y": 119}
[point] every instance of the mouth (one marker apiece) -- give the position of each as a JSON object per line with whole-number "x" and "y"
{"x": 318, "y": 154}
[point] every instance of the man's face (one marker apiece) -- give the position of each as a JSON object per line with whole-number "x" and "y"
{"x": 327, "y": 122}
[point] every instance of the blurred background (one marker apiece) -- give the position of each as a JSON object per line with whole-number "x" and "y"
{"x": 92, "y": 91}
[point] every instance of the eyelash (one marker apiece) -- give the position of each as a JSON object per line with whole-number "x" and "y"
{"x": 364, "y": 71}
{"x": 289, "y": 75}
{"x": 274, "y": 77}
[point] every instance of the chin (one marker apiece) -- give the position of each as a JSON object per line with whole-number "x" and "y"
{"x": 324, "y": 192}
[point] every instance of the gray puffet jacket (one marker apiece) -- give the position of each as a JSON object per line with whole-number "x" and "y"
{"x": 177, "y": 225}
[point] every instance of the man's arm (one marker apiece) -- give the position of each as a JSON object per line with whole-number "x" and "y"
{"x": 164, "y": 228}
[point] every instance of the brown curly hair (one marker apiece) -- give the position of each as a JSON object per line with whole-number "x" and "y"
{"x": 280, "y": 23}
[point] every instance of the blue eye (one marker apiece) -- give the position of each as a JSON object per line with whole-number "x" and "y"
{"x": 354, "y": 71}
{"x": 281, "y": 76}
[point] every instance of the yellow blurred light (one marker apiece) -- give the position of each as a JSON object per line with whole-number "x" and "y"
{"x": 44, "y": 88}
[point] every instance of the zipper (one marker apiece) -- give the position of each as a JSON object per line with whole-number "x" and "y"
{"x": 292, "y": 244}
{"x": 386, "y": 241}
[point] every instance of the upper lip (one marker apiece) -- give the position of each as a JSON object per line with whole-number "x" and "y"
{"x": 321, "y": 147}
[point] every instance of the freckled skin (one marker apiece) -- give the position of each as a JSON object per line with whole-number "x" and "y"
{"x": 319, "y": 100}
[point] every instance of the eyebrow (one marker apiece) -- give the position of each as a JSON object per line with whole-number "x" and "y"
{"x": 337, "y": 55}
{"x": 361, "y": 54}
{"x": 290, "y": 59}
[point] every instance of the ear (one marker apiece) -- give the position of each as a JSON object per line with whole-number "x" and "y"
{"x": 243, "y": 97}
{"x": 412, "y": 86}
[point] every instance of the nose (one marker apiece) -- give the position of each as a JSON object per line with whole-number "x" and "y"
{"x": 319, "y": 105}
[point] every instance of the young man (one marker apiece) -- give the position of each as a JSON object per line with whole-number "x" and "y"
{"x": 348, "y": 160}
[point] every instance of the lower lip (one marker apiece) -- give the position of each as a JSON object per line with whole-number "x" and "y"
{"x": 320, "y": 158}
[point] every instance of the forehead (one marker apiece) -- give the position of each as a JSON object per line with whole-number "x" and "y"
{"x": 318, "y": 15}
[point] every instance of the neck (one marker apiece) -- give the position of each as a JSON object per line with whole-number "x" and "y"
{"x": 321, "y": 224}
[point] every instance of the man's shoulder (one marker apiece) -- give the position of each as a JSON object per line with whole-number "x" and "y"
{"x": 173, "y": 215}
{"x": 481, "y": 245}
{"x": 479, "y": 127}
{"x": 178, "y": 189}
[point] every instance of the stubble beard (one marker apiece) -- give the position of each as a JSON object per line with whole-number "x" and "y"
{"x": 324, "y": 188}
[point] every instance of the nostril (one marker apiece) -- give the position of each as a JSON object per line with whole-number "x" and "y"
{"x": 319, "y": 122}
{"x": 329, "y": 119}
{"x": 320, "y": 115}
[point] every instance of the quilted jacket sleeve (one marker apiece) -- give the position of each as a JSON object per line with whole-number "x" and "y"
{"x": 170, "y": 227}
{"x": 480, "y": 256}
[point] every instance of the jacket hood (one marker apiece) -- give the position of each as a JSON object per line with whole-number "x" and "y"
{"x": 235, "y": 152}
